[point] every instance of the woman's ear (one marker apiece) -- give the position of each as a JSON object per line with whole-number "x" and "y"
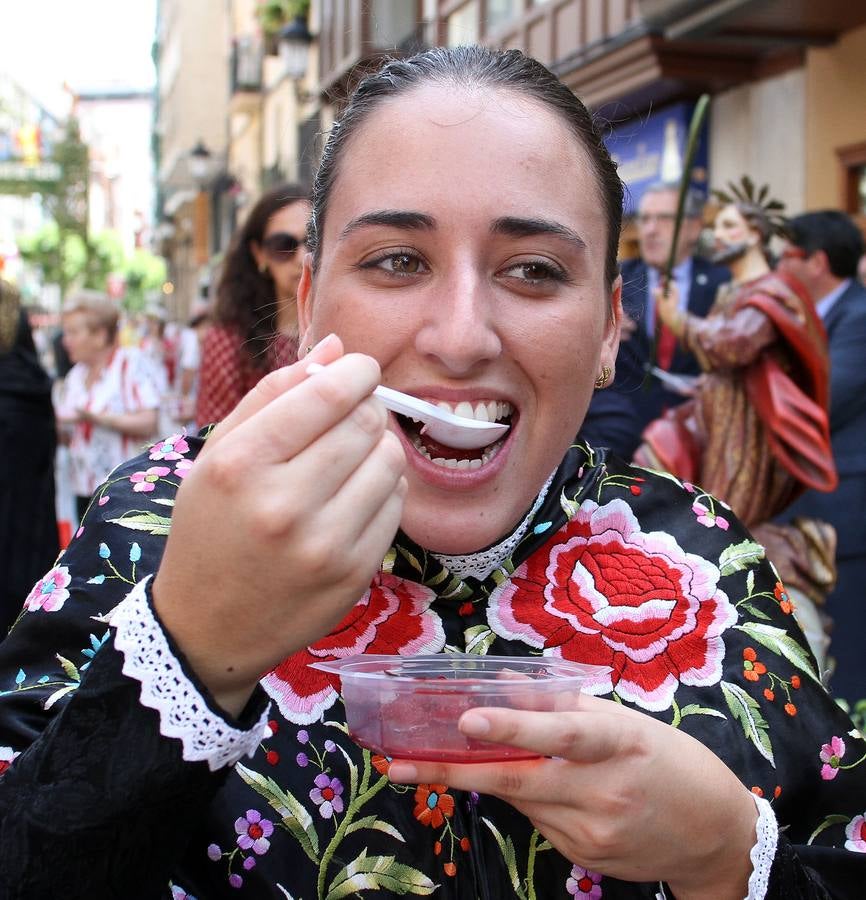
{"x": 610, "y": 341}
{"x": 258, "y": 256}
{"x": 305, "y": 301}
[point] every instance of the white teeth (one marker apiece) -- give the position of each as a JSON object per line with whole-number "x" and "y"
{"x": 486, "y": 456}
{"x": 485, "y": 411}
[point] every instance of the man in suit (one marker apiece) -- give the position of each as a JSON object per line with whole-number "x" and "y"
{"x": 822, "y": 253}
{"x": 617, "y": 416}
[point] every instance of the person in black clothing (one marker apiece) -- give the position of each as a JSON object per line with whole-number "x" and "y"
{"x": 28, "y": 522}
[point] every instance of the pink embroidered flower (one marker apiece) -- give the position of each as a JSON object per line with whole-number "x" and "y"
{"x": 253, "y": 832}
{"x": 708, "y": 519}
{"x": 145, "y": 481}
{"x": 831, "y": 755}
{"x": 327, "y": 795}
{"x": 855, "y": 831}
{"x": 607, "y": 593}
{"x": 584, "y": 884}
{"x": 688, "y": 486}
{"x": 103, "y": 499}
{"x": 182, "y": 467}
{"x": 7, "y": 755}
{"x": 50, "y": 592}
{"x": 393, "y": 616}
{"x": 171, "y": 448}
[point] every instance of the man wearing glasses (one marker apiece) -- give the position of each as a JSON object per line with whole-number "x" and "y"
{"x": 617, "y": 417}
{"x": 822, "y": 252}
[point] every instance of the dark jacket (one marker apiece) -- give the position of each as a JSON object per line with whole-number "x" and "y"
{"x": 633, "y": 397}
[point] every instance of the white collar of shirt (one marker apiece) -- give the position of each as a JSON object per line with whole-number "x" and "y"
{"x": 828, "y": 301}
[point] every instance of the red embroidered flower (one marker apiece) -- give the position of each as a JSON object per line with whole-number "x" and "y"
{"x": 433, "y": 805}
{"x": 392, "y": 617}
{"x": 604, "y": 592}
{"x": 753, "y": 669}
{"x": 782, "y": 596}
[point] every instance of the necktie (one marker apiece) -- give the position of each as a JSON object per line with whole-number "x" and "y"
{"x": 666, "y": 344}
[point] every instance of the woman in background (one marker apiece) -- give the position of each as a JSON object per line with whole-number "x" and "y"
{"x": 255, "y": 322}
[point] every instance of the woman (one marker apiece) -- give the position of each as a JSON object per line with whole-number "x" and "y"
{"x": 28, "y": 438}
{"x": 255, "y": 326}
{"x": 111, "y": 396}
{"x": 464, "y": 232}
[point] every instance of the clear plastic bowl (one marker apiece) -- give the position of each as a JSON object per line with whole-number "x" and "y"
{"x": 407, "y": 707}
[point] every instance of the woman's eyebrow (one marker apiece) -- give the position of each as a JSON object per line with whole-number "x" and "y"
{"x": 393, "y": 218}
{"x": 514, "y": 226}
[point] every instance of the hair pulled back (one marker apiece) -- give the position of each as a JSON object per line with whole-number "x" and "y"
{"x": 472, "y": 67}
{"x": 246, "y": 299}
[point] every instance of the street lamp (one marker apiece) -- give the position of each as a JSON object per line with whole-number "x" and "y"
{"x": 199, "y": 163}
{"x": 294, "y": 44}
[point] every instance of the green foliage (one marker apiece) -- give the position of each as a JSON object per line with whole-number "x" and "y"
{"x": 273, "y": 14}
{"x": 144, "y": 273}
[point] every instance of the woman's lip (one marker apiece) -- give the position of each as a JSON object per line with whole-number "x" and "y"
{"x": 445, "y": 476}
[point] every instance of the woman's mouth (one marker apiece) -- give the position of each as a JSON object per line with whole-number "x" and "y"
{"x": 453, "y": 457}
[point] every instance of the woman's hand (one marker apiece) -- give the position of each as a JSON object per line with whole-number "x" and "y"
{"x": 282, "y": 522}
{"x": 627, "y": 796}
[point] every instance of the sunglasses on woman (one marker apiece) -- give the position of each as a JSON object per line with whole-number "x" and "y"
{"x": 280, "y": 246}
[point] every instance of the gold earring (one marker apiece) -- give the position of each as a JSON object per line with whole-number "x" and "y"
{"x": 601, "y": 381}
{"x": 263, "y": 267}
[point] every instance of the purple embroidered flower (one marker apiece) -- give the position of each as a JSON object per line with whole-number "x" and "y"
{"x": 249, "y": 863}
{"x": 584, "y": 884}
{"x": 144, "y": 482}
{"x": 178, "y": 893}
{"x": 214, "y": 853}
{"x": 303, "y": 736}
{"x": 235, "y": 880}
{"x": 330, "y": 746}
{"x": 327, "y": 795}
{"x": 831, "y": 755}
{"x": 253, "y": 832}
{"x": 50, "y": 592}
{"x": 855, "y": 831}
{"x": 302, "y": 760}
{"x": 708, "y": 519}
{"x": 171, "y": 448}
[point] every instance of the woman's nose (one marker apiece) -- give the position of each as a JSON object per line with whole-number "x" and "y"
{"x": 459, "y": 328}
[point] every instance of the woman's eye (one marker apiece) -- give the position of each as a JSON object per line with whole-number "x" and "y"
{"x": 535, "y": 272}
{"x": 397, "y": 264}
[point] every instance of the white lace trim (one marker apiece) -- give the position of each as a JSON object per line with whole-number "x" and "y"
{"x": 764, "y": 851}
{"x": 480, "y": 565}
{"x": 183, "y": 711}
{"x": 762, "y": 854}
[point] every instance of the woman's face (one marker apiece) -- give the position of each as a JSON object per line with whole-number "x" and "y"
{"x": 464, "y": 249}
{"x": 285, "y": 229}
{"x": 83, "y": 342}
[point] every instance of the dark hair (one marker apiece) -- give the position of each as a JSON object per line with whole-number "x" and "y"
{"x": 245, "y": 297}
{"x": 476, "y": 66}
{"x": 834, "y": 233}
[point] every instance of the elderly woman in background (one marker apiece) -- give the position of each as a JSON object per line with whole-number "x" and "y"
{"x": 462, "y": 249}
{"x": 255, "y": 321}
{"x": 111, "y": 396}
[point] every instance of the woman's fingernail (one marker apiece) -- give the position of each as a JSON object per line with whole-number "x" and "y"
{"x": 403, "y": 772}
{"x": 312, "y": 368}
{"x": 474, "y": 724}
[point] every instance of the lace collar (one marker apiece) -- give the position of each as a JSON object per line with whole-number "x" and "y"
{"x": 482, "y": 564}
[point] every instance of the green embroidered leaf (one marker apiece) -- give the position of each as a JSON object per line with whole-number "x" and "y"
{"x": 757, "y": 613}
{"x": 737, "y": 557}
{"x": 163, "y": 501}
{"x": 376, "y": 825}
{"x": 694, "y": 710}
{"x": 146, "y": 521}
{"x": 506, "y": 848}
{"x": 779, "y": 641}
{"x": 544, "y": 845}
{"x": 746, "y": 711}
{"x": 389, "y": 560}
{"x": 456, "y": 590}
{"x": 69, "y": 667}
{"x": 478, "y": 639}
{"x": 410, "y": 558}
{"x": 830, "y": 820}
{"x": 750, "y": 583}
{"x": 294, "y": 816}
{"x": 569, "y": 507}
{"x": 438, "y": 578}
{"x": 58, "y": 694}
{"x": 371, "y": 873}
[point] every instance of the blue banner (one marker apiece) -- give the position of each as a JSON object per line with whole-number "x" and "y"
{"x": 651, "y": 148}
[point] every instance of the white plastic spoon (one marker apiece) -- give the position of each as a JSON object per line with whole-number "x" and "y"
{"x": 443, "y": 426}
